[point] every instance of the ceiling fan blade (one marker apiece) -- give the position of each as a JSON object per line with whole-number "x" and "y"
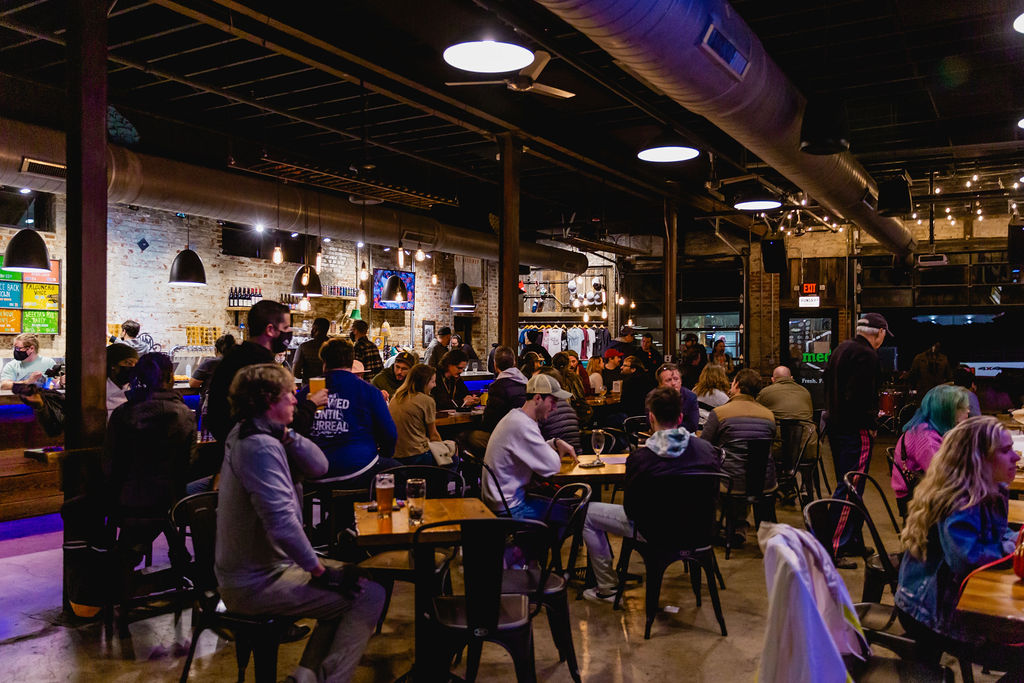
{"x": 475, "y": 83}
{"x": 542, "y": 89}
{"x": 533, "y": 69}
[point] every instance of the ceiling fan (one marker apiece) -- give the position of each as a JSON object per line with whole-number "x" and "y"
{"x": 526, "y": 79}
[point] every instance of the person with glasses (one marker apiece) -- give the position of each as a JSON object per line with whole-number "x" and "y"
{"x": 28, "y": 366}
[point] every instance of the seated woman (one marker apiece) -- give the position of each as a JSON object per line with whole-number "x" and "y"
{"x": 957, "y": 523}
{"x": 450, "y": 392}
{"x": 942, "y": 408}
{"x": 594, "y": 367}
{"x": 150, "y": 441}
{"x": 562, "y": 422}
{"x": 530, "y": 363}
{"x": 712, "y": 389}
{"x": 412, "y": 408}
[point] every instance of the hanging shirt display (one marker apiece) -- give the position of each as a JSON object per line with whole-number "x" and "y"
{"x": 574, "y": 340}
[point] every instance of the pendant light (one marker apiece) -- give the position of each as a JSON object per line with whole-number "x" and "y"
{"x": 361, "y": 297}
{"x": 604, "y": 313}
{"x": 277, "y": 257}
{"x": 304, "y": 304}
{"x": 306, "y": 281}
{"x": 586, "y": 317}
{"x": 26, "y": 253}
{"x": 667, "y": 147}
{"x": 420, "y": 256}
{"x": 186, "y": 269}
{"x": 401, "y": 255}
{"x": 462, "y": 295}
{"x": 320, "y": 242}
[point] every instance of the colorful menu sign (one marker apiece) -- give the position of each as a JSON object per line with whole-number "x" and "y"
{"x": 40, "y": 322}
{"x": 30, "y": 302}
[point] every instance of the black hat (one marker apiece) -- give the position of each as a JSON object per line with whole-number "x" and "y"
{"x": 876, "y": 320}
{"x": 444, "y": 332}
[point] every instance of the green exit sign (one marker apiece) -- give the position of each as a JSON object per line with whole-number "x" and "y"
{"x": 816, "y": 357}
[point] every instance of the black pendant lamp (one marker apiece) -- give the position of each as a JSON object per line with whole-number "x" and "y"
{"x": 187, "y": 268}
{"x": 306, "y": 282}
{"x": 394, "y": 290}
{"x": 462, "y": 295}
{"x": 26, "y": 253}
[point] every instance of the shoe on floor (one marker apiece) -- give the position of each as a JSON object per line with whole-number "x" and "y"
{"x": 855, "y": 550}
{"x": 592, "y": 595}
{"x": 845, "y": 563}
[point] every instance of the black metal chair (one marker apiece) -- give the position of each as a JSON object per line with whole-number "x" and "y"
{"x": 441, "y": 482}
{"x": 877, "y": 573}
{"x": 636, "y": 428}
{"x": 255, "y": 635}
{"x": 688, "y": 503}
{"x": 483, "y": 612}
{"x": 791, "y": 474}
{"x": 333, "y": 530}
{"x": 564, "y": 516}
{"x": 761, "y": 501}
{"x": 819, "y": 423}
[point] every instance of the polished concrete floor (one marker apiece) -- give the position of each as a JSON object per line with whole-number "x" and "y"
{"x": 37, "y": 644}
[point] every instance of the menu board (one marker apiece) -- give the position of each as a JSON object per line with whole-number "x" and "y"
{"x": 10, "y": 321}
{"x": 40, "y": 297}
{"x": 40, "y": 322}
{"x": 30, "y": 302}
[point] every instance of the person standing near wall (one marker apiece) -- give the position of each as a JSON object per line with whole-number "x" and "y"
{"x": 367, "y": 352}
{"x": 306, "y": 362}
{"x": 852, "y": 380}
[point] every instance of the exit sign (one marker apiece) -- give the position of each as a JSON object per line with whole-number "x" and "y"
{"x": 809, "y": 288}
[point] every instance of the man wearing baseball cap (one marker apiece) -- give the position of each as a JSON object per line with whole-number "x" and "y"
{"x": 852, "y": 380}
{"x": 612, "y": 371}
{"x": 389, "y": 379}
{"x": 517, "y": 450}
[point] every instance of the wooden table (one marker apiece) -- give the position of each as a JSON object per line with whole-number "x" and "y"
{"x": 458, "y": 418}
{"x": 395, "y": 531}
{"x": 611, "y": 473}
{"x": 608, "y": 400}
{"x": 993, "y": 600}
{"x": 1016, "y": 512}
{"x": 1017, "y": 485}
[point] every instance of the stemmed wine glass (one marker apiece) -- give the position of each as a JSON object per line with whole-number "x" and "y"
{"x": 597, "y": 441}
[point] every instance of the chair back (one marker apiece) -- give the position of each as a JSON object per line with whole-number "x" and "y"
{"x": 198, "y": 513}
{"x": 483, "y": 553}
{"x": 633, "y": 428}
{"x": 890, "y": 458}
{"x": 795, "y": 435}
{"x": 853, "y": 478}
{"x": 565, "y": 515}
{"x": 818, "y": 518}
{"x": 679, "y": 512}
{"x": 441, "y": 482}
{"x": 758, "y": 453}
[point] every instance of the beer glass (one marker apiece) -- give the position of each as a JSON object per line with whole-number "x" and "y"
{"x": 415, "y": 497}
{"x": 385, "y": 494}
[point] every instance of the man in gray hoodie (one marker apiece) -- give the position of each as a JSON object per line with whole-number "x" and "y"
{"x": 669, "y": 451}
{"x": 505, "y": 394}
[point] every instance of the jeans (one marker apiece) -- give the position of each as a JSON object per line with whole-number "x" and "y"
{"x": 851, "y": 451}
{"x": 603, "y": 518}
{"x": 343, "y": 627}
{"x": 425, "y": 458}
{"x": 531, "y": 508}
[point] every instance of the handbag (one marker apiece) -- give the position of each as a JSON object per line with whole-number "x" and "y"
{"x": 443, "y": 451}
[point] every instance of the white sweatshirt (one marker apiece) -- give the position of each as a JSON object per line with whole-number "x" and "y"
{"x": 515, "y": 451}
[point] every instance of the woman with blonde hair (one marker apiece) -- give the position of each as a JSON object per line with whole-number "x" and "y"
{"x": 957, "y": 522}
{"x": 594, "y": 367}
{"x": 712, "y": 389}
{"x": 413, "y": 410}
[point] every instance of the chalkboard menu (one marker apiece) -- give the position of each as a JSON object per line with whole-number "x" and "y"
{"x": 30, "y": 302}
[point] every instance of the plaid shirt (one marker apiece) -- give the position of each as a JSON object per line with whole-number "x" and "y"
{"x": 368, "y": 354}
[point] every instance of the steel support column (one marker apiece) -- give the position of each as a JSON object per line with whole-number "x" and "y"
{"x": 508, "y": 241}
{"x": 670, "y": 265}
{"x": 86, "y": 223}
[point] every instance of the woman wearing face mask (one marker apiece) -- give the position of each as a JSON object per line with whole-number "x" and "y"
{"x": 28, "y": 365}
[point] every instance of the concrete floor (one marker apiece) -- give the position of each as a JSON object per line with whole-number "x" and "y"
{"x": 36, "y": 643}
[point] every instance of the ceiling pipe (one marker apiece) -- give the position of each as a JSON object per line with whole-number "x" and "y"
{"x": 737, "y": 87}
{"x": 158, "y": 183}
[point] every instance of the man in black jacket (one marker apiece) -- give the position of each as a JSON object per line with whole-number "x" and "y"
{"x": 851, "y": 396}
{"x": 269, "y": 328}
{"x": 533, "y": 337}
{"x": 670, "y": 451}
{"x": 636, "y": 382}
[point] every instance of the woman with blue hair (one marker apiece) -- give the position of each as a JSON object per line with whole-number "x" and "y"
{"x": 942, "y": 408}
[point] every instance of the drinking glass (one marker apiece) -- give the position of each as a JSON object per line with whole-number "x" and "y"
{"x": 415, "y": 497}
{"x": 597, "y": 441}
{"x": 385, "y": 494}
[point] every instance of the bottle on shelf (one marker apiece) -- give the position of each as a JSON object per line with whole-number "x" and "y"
{"x": 233, "y": 298}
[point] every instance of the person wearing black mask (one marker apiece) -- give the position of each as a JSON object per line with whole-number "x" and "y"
{"x": 269, "y": 328}
{"x": 121, "y": 360}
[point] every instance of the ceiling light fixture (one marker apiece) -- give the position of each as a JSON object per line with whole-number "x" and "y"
{"x": 1018, "y": 24}
{"x": 259, "y": 227}
{"x": 25, "y": 190}
{"x": 488, "y": 56}
{"x": 462, "y": 296}
{"x": 420, "y": 256}
{"x": 667, "y": 147}
{"x": 27, "y": 253}
{"x": 632, "y": 304}
{"x": 186, "y": 268}
{"x": 586, "y": 317}
{"x": 278, "y": 255}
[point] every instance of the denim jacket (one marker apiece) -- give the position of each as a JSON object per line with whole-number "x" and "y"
{"x": 929, "y": 588}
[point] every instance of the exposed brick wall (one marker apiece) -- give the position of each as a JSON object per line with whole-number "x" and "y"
{"x": 137, "y": 284}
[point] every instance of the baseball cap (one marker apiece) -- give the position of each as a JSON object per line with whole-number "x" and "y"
{"x": 542, "y": 384}
{"x": 444, "y": 332}
{"x": 612, "y": 353}
{"x": 406, "y": 357}
{"x": 876, "y": 320}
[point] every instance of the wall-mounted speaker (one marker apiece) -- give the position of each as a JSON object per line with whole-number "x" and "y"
{"x": 773, "y": 255}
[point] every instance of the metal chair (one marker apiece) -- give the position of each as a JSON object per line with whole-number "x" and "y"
{"x": 255, "y": 635}
{"x": 877, "y": 574}
{"x": 689, "y": 497}
{"x": 635, "y": 428}
{"x": 762, "y": 502}
{"x": 791, "y": 475}
{"x": 441, "y": 482}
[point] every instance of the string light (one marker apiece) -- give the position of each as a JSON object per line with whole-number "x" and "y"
{"x": 938, "y": 190}
{"x": 632, "y": 304}
{"x": 278, "y": 255}
{"x": 974, "y": 177}
{"x": 586, "y": 317}
{"x": 604, "y": 313}
{"x": 361, "y": 298}
{"x": 363, "y": 273}
{"x": 622, "y": 300}
{"x": 433, "y": 278}
{"x": 913, "y": 215}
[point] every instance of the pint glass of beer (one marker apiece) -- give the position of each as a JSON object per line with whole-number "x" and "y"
{"x": 385, "y": 494}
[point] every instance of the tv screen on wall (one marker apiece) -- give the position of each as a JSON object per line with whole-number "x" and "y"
{"x": 380, "y": 276}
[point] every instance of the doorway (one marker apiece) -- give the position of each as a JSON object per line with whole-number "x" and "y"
{"x": 808, "y": 338}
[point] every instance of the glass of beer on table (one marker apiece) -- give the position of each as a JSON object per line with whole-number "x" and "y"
{"x": 415, "y": 497}
{"x": 385, "y": 494}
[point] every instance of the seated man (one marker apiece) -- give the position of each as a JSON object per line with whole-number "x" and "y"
{"x": 612, "y": 371}
{"x": 670, "y": 450}
{"x": 636, "y": 382}
{"x": 516, "y": 451}
{"x": 264, "y": 562}
{"x": 732, "y": 426}
{"x": 355, "y": 424}
{"x": 450, "y": 392}
{"x": 668, "y": 375}
{"x": 506, "y": 393}
{"x": 389, "y": 379}
{"x": 789, "y": 400}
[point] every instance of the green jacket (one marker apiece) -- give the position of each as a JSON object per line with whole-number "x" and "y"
{"x": 386, "y": 381}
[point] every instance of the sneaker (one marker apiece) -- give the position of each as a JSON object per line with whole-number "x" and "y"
{"x": 592, "y": 595}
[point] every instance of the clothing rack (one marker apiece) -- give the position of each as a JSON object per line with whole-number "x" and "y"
{"x": 586, "y": 339}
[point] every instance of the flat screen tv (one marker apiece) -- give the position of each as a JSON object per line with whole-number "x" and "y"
{"x": 380, "y": 276}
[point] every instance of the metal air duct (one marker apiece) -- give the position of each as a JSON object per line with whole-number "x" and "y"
{"x": 705, "y": 57}
{"x": 32, "y": 157}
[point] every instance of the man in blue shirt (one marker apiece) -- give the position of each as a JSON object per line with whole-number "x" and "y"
{"x": 28, "y": 365}
{"x": 355, "y": 423}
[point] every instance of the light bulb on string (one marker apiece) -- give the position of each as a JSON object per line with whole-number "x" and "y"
{"x": 401, "y": 256}
{"x": 305, "y": 277}
{"x": 278, "y": 255}
{"x": 363, "y": 273}
{"x": 622, "y": 300}
{"x": 630, "y": 322}
{"x": 433, "y": 278}
{"x": 304, "y": 304}
{"x": 398, "y": 297}
{"x": 361, "y": 298}
{"x": 319, "y": 259}
{"x": 420, "y": 256}
{"x": 586, "y": 317}
{"x": 604, "y": 313}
